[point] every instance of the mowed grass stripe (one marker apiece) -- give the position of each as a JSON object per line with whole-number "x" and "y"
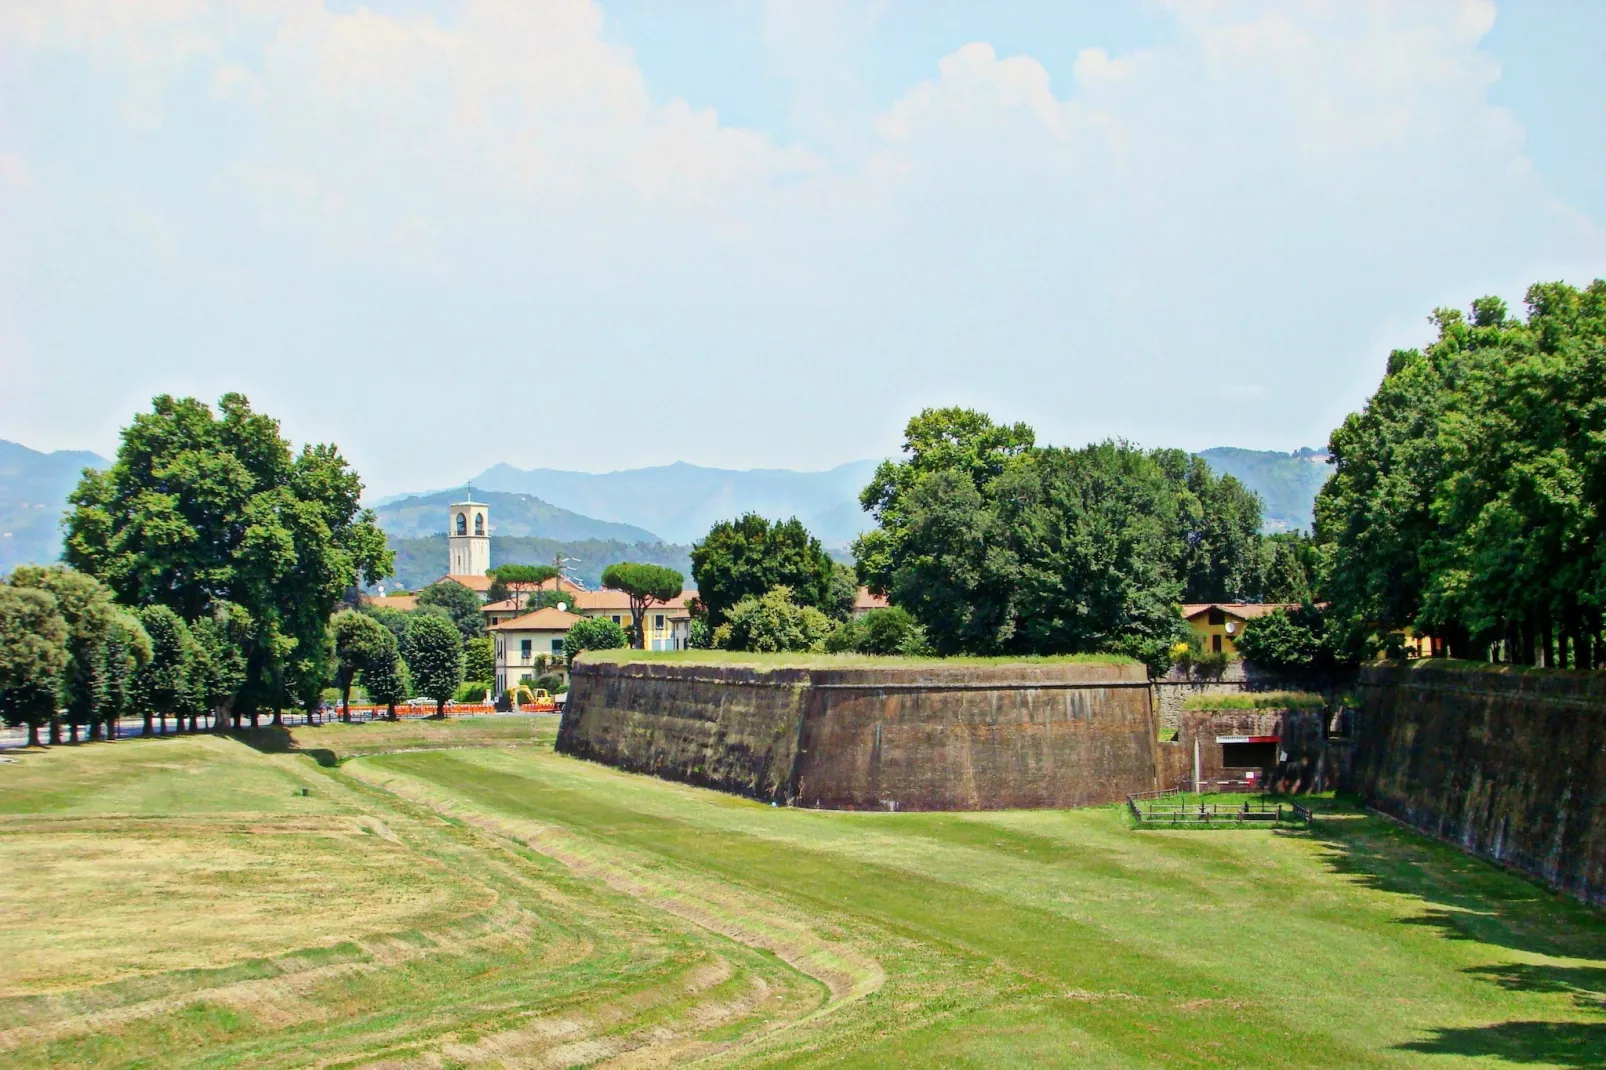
{"x": 1052, "y": 953}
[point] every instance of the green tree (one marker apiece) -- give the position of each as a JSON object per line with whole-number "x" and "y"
{"x": 360, "y": 642}
{"x": 201, "y": 508}
{"x": 549, "y": 598}
{"x": 1215, "y": 530}
{"x": 221, "y": 642}
{"x": 645, "y": 585}
{"x": 33, "y": 658}
{"x": 773, "y": 622}
{"x": 86, "y": 605}
{"x": 479, "y": 659}
{"x": 880, "y": 631}
{"x": 1465, "y": 497}
{"x": 592, "y": 633}
{"x": 1289, "y": 563}
{"x": 749, "y": 556}
{"x": 127, "y": 650}
{"x": 163, "y": 684}
{"x": 434, "y": 658}
{"x": 386, "y": 678}
{"x": 1286, "y": 640}
{"x": 520, "y": 580}
{"x": 460, "y": 603}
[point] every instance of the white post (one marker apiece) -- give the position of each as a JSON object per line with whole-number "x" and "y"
{"x": 1196, "y": 789}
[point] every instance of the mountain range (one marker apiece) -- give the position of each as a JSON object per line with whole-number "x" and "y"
{"x": 33, "y": 496}
{"x": 511, "y": 515}
{"x": 537, "y": 511}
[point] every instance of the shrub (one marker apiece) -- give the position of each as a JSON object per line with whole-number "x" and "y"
{"x": 472, "y": 691}
{"x": 773, "y": 623}
{"x": 593, "y": 633}
{"x": 1287, "y": 640}
{"x": 880, "y": 631}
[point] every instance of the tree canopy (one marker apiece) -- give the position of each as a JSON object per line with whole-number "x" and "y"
{"x": 1466, "y": 495}
{"x": 200, "y": 509}
{"x": 460, "y": 603}
{"x": 773, "y": 622}
{"x": 645, "y": 585}
{"x": 749, "y": 556}
{"x": 33, "y": 656}
{"x": 434, "y": 652}
{"x": 592, "y": 633}
{"x": 998, "y": 546}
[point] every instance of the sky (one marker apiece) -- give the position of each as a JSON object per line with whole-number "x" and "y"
{"x": 571, "y": 234}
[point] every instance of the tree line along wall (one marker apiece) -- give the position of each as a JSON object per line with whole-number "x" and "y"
{"x": 1510, "y": 765}
{"x": 926, "y": 737}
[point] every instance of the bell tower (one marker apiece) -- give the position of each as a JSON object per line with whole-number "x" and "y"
{"x": 468, "y": 537}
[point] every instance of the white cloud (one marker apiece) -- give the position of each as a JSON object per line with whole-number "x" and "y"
{"x": 1246, "y": 203}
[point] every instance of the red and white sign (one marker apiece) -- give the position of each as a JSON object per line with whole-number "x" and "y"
{"x": 1249, "y": 739}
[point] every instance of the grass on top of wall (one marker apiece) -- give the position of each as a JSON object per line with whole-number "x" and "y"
{"x": 1257, "y": 700}
{"x": 797, "y": 660}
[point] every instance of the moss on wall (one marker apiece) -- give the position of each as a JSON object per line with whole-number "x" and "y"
{"x": 1509, "y": 765}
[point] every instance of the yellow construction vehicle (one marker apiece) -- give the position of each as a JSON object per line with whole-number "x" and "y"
{"x": 533, "y": 700}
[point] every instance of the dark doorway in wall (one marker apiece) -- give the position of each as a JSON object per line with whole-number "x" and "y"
{"x": 1248, "y": 755}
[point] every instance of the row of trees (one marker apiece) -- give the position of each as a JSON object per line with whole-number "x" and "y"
{"x": 995, "y": 545}
{"x": 1468, "y": 498}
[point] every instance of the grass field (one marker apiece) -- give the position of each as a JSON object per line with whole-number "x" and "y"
{"x": 458, "y": 895}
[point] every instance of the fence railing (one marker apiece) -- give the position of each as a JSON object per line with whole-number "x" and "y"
{"x": 1170, "y": 809}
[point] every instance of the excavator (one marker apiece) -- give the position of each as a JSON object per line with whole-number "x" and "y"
{"x": 535, "y": 700}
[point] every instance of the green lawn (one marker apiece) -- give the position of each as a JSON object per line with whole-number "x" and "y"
{"x": 182, "y": 902}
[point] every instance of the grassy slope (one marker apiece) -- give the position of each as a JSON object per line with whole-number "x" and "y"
{"x": 549, "y": 910}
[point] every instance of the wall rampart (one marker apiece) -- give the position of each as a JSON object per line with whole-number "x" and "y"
{"x": 934, "y": 736}
{"x": 1509, "y": 765}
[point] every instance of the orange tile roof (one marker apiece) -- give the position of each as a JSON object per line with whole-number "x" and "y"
{"x": 404, "y": 602}
{"x": 477, "y": 584}
{"x": 864, "y": 600}
{"x": 597, "y": 601}
{"x": 542, "y": 620}
{"x": 1241, "y": 610}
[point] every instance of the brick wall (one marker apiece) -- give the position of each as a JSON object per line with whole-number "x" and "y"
{"x": 1509, "y": 765}
{"x": 933, "y": 737}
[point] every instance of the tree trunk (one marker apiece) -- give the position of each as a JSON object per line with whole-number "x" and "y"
{"x": 223, "y": 718}
{"x": 33, "y": 734}
{"x": 94, "y": 731}
{"x": 390, "y": 711}
{"x": 146, "y": 728}
{"x": 278, "y": 717}
{"x": 55, "y": 732}
{"x": 254, "y": 715}
{"x": 72, "y": 732}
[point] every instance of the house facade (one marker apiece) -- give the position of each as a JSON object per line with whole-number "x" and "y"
{"x": 1221, "y": 624}
{"x": 519, "y": 641}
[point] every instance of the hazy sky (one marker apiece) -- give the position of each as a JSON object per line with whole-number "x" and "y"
{"x": 581, "y": 235}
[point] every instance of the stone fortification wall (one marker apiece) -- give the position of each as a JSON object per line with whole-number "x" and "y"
{"x": 1510, "y": 765}
{"x": 922, "y": 737}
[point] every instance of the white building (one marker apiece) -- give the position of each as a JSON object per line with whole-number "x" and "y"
{"x": 519, "y": 641}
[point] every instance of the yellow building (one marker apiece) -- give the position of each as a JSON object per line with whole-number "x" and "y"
{"x": 1221, "y": 624}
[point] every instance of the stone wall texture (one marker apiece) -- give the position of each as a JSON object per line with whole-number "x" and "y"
{"x": 1510, "y": 765}
{"x": 926, "y": 737}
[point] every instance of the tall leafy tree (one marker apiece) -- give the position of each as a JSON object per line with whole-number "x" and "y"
{"x": 386, "y": 677}
{"x": 33, "y": 658}
{"x": 360, "y": 643}
{"x": 221, "y": 640}
{"x": 479, "y": 659}
{"x": 126, "y": 651}
{"x": 164, "y": 684}
{"x": 1215, "y": 530}
{"x": 1466, "y": 497}
{"x": 749, "y": 556}
{"x": 460, "y": 603}
{"x": 87, "y": 607}
{"x": 773, "y": 622}
{"x": 202, "y": 508}
{"x": 434, "y": 658}
{"x": 645, "y": 585}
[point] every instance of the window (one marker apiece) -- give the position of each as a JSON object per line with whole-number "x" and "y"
{"x": 1215, "y": 644}
{"x": 462, "y": 524}
{"x": 525, "y": 646}
{"x": 557, "y": 646}
{"x": 615, "y": 618}
{"x": 1217, "y": 616}
{"x": 657, "y": 622}
{"x": 479, "y": 523}
{"x": 1248, "y": 755}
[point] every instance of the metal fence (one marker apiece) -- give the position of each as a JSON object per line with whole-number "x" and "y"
{"x": 1172, "y": 809}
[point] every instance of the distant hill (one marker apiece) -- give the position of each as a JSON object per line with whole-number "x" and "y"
{"x": 422, "y": 561}
{"x": 1286, "y": 482}
{"x": 33, "y": 496}
{"x": 511, "y": 515}
{"x": 682, "y": 501}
